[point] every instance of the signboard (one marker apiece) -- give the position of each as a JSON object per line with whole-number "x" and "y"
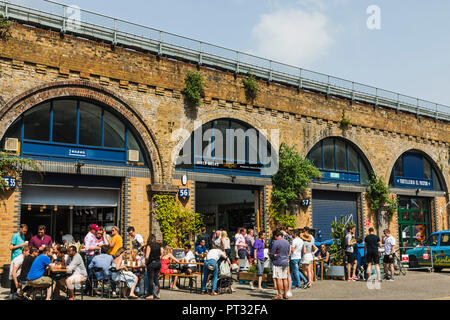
{"x": 10, "y": 182}
{"x": 340, "y": 176}
{"x": 183, "y": 193}
{"x": 306, "y": 202}
{"x": 405, "y": 258}
{"x": 253, "y": 167}
{"x": 426, "y": 256}
{"x": 367, "y": 223}
{"x": 413, "y": 183}
{"x": 77, "y": 153}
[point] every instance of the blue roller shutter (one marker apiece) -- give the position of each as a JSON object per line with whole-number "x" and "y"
{"x": 326, "y": 205}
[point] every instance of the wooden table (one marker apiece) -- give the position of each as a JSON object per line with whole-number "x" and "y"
{"x": 54, "y": 273}
{"x": 316, "y": 261}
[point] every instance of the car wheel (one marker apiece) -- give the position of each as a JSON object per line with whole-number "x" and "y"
{"x": 437, "y": 269}
{"x": 413, "y": 262}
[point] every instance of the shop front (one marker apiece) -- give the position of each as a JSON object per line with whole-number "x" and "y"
{"x": 229, "y": 164}
{"x": 339, "y": 192}
{"x": 87, "y": 154}
{"x": 417, "y": 183}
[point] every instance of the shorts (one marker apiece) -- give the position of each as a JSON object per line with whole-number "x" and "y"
{"x": 373, "y": 257}
{"x": 259, "y": 268}
{"x": 186, "y": 268}
{"x": 75, "y": 280}
{"x": 44, "y": 280}
{"x": 388, "y": 260}
{"x": 307, "y": 258}
{"x": 280, "y": 272}
{"x": 350, "y": 257}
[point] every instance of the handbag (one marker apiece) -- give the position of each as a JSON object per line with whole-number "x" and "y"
{"x": 225, "y": 270}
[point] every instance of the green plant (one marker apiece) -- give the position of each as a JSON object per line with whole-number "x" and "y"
{"x": 338, "y": 227}
{"x": 379, "y": 196}
{"x": 176, "y": 223}
{"x": 251, "y": 87}
{"x": 13, "y": 166}
{"x": 345, "y": 123}
{"x": 253, "y": 269}
{"x": 282, "y": 219}
{"x": 5, "y": 24}
{"x": 194, "y": 90}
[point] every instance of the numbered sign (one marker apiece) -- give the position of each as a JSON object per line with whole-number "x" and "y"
{"x": 306, "y": 202}
{"x": 10, "y": 182}
{"x": 183, "y": 193}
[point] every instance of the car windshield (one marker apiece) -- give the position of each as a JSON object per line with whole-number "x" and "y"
{"x": 445, "y": 239}
{"x": 433, "y": 240}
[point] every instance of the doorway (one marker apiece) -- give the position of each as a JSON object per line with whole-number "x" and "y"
{"x": 414, "y": 220}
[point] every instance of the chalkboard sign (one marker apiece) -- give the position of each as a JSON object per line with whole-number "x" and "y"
{"x": 178, "y": 253}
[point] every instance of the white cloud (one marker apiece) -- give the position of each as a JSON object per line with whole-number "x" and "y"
{"x": 292, "y": 36}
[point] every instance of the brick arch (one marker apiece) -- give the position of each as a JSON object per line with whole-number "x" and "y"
{"x": 185, "y": 134}
{"x": 28, "y": 99}
{"x": 435, "y": 165}
{"x": 364, "y": 152}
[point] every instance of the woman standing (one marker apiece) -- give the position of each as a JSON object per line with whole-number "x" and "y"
{"x": 226, "y": 244}
{"x": 309, "y": 250}
{"x": 122, "y": 274}
{"x": 153, "y": 254}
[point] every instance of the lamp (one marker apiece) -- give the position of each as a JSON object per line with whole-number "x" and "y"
{"x": 29, "y": 207}
{"x": 55, "y": 208}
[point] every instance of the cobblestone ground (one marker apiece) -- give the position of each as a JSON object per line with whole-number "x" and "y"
{"x": 416, "y": 285}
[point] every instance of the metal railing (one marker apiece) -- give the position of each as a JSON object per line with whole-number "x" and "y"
{"x": 64, "y": 18}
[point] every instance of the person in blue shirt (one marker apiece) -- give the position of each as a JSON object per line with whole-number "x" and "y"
{"x": 200, "y": 249}
{"x": 18, "y": 242}
{"x": 36, "y": 274}
{"x": 102, "y": 261}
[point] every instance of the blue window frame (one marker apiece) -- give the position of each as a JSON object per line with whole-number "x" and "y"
{"x": 339, "y": 161}
{"x": 413, "y": 170}
{"x": 217, "y": 148}
{"x": 75, "y": 129}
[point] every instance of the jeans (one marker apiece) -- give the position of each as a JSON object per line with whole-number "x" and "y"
{"x": 146, "y": 284}
{"x": 206, "y": 273}
{"x": 298, "y": 275}
{"x": 153, "y": 277}
{"x": 89, "y": 272}
{"x": 325, "y": 265}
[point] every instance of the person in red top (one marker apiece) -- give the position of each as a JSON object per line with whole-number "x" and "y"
{"x": 166, "y": 258}
{"x": 41, "y": 240}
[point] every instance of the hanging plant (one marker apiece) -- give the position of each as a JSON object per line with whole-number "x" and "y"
{"x": 12, "y": 166}
{"x": 294, "y": 175}
{"x": 5, "y": 25}
{"x": 194, "y": 90}
{"x": 251, "y": 87}
{"x": 177, "y": 224}
{"x": 345, "y": 123}
{"x": 379, "y": 196}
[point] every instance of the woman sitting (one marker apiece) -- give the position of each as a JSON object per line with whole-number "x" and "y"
{"x": 166, "y": 258}
{"x": 121, "y": 273}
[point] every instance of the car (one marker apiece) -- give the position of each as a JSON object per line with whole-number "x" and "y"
{"x": 435, "y": 249}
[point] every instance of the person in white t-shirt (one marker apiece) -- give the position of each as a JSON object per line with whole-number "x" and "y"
{"x": 136, "y": 239}
{"x": 296, "y": 256}
{"x": 388, "y": 260}
{"x": 188, "y": 256}
{"x": 15, "y": 270}
{"x": 211, "y": 261}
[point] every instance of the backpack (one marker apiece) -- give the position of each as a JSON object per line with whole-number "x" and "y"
{"x": 225, "y": 270}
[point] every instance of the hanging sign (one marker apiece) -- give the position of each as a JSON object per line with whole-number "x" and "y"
{"x": 10, "y": 182}
{"x": 183, "y": 193}
{"x": 306, "y": 202}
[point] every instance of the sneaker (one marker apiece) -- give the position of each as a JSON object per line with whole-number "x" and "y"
{"x": 251, "y": 286}
{"x": 299, "y": 289}
{"x": 355, "y": 278}
{"x": 289, "y": 294}
{"x": 350, "y": 280}
{"x": 391, "y": 279}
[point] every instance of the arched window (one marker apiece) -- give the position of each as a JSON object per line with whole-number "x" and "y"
{"x": 227, "y": 146}
{"x": 414, "y": 170}
{"x": 340, "y": 161}
{"x": 76, "y": 129}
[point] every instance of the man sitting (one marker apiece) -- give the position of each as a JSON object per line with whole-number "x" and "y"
{"x": 15, "y": 270}
{"x": 78, "y": 273}
{"x": 26, "y": 266}
{"x": 36, "y": 274}
{"x": 188, "y": 256}
{"x": 102, "y": 261}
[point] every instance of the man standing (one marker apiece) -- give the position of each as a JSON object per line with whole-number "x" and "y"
{"x": 371, "y": 244}
{"x": 258, "y": 247}
{"x": 18, "y": 242}
{"x": 200, "y": 249}
{"x": 41, "y": 240}
{"x": 204, "y": 236}
{"x": 296, "y": 249}
{"x": 91, "y": 245}
{"x": 388, "y": 260}
{"x": 351, "y": 260}
{"x": 280, "y": 252}
{"x": 249, "y": 241}
{"x": 136, "y": 239}
{"x": 15, "y": 270}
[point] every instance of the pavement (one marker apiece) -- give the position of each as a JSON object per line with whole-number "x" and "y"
{"x": 415, "y": 285}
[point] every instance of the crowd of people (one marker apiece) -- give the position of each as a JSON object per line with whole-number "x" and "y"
{"x": 291, "y": 253}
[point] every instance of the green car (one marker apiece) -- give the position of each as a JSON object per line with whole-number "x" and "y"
{"x": 435, "y": 252}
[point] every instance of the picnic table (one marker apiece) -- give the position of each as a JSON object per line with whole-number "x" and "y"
{"x": 187, "y": 276}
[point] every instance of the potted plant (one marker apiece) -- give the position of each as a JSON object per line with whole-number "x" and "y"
{"x": 250, "y": 275}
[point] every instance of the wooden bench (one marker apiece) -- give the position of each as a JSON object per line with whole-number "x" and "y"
{"x": 38, "y": 287}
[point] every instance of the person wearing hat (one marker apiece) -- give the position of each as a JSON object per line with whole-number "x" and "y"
{"x": 91, "y": 245}
{"x": 309, "y": 250}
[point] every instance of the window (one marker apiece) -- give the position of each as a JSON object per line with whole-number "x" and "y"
{"x": 316, "y": 155}
{"x": 90, "y": 124}
{"x": 432, "y": 240}
{"x": 399, "y": 167}
{"x": 328, "y": 154}
{"x": 114, "y": 132}
{"x": 65, "y": 121}
{"x": 341, "y": 155}
{"x": 37, "y": 123}
{"x": 445, "y": 239}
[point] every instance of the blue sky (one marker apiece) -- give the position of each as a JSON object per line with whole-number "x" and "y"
{"x": 409, "y": 54}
